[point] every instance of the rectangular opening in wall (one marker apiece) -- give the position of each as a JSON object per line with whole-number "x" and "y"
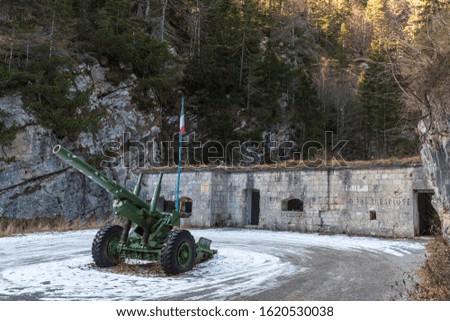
{"x": 429, "y": 222}
{"x": 254, "y": 207}
{"x": 185, "y": 207}
{"x": 292, "y": 205}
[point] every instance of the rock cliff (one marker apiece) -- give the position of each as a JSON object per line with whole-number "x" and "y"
{"x": 435, "y": 156}
{"x": 35, "y": 183}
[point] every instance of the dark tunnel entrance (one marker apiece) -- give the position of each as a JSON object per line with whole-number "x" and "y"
{"x": 427, "y": 218}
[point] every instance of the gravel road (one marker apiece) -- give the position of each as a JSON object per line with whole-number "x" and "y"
{"x": 251, "y": 265}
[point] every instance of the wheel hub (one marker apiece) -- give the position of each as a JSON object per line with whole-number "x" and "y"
{"x": 184, "y": 254}
{"x": 112, "y": 248}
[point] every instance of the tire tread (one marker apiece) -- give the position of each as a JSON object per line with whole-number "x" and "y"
{"x": 100, "y": 245}
{"x": 168, "y": 252}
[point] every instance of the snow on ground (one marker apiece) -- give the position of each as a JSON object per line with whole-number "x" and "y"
{"x": 57, "y": 266}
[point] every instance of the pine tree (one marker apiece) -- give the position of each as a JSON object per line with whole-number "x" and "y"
{"x": 420, "y": 13}
{"x": 380, "y": 98}
{"x": 114, "y": 15}
{"x": 222, "y": 73}
{"x": 376, "y": 12}
{"x": 330, "y": 18}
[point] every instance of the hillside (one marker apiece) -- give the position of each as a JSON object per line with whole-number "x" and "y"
{"x": 253, "y": 70}
{"x": 279, "y": 80}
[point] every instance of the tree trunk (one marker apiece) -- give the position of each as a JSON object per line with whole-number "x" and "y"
{"x": 11, "y": 49}
{"x": 242, "y": 61}
{"x": 28, "y": 54}
{"x": 195, "y": 42}
{"x": 52, "y": 31}
{"x": 198, "y": 28}
{"x": 163, "y": 20}
{"x": 248, "y": 90}
{"x": 147, "y": 9}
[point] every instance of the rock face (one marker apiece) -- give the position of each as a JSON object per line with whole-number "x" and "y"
{"x": 429, "y": 75}
{"x": 35, "y": 183}
{"x": 435, "y": 156}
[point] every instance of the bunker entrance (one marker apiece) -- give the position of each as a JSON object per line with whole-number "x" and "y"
{"x": 428, "y": 220}
{"x": 254, "y": 207}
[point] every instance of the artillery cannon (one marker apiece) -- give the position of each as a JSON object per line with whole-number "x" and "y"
{"x": 152, "y": 236}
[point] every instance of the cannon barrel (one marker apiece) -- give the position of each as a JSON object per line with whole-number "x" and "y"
{"x": 156, "y": 193}
{"x": 111, "y": 186}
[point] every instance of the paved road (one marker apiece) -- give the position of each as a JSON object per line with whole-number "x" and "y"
{"x": 251, "y": 265}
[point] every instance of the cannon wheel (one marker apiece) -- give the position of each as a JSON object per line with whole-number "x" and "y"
{"x": 178, "y": 252}
{"x": 104, "y": 246}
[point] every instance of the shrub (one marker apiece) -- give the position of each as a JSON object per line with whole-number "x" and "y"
{"x": 434, "y": 274}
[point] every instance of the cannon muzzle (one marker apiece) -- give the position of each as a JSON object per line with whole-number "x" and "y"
{"x": 111, "y": 186}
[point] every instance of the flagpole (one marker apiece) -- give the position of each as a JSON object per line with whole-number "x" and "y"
{"x": 180, "y": 149}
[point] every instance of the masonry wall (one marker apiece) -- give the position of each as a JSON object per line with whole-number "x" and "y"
{"x": 195, "y": 185}
{"x": 337, "y": 200}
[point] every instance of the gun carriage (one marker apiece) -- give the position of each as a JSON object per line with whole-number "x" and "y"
{"x": 148, "y": 233}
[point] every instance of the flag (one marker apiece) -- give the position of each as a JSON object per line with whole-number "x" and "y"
{"x": 182, "y": 132}
{"x": 182, "y": 125}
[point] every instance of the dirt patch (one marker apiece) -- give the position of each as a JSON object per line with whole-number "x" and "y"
{"x": 140, "y": 269}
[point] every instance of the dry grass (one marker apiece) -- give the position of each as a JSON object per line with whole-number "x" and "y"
{"x": 14, "y": 226}
{"x": 140, "y": 269}
{"x": 389, "y": 161}
{"x": 434, "y": 284}
{"x": 290, "y": 164}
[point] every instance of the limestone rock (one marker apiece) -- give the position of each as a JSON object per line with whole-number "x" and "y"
{"x": 12, "y": 106}
{"x": 435, "y": 157}
{"x": 35, "y": 183}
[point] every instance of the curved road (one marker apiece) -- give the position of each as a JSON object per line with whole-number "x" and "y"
{"x": 251, "y": 265}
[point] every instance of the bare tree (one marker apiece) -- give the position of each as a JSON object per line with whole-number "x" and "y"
{"x": 52, "y": 31}
{"x": 336, "y": 91}
{"x": 28, "y": 54}
{"x": 196, "y": 39}
{"x": 163, "y": 20}
{"x": 11, "y": 48}
{"x": 147, "y": 9}
{"x": 424, "y": 63}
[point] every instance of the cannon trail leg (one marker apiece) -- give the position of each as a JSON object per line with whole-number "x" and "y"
{"x": 126, "y": 232}
{"x": 146, "y": 233}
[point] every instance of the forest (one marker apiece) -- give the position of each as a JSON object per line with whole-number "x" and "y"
{"x": 367, "y": 70}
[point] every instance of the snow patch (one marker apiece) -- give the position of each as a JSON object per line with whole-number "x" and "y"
{"x": 58, "y": 266}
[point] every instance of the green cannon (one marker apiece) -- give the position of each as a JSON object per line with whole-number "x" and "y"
{"x": 148, "y": 234}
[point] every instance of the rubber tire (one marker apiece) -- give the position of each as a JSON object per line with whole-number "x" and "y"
{"x": 169, "y": 252}
{"x": 100, "y": 245}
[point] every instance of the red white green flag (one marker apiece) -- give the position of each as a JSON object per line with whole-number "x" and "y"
{"x": 182, "y": 124}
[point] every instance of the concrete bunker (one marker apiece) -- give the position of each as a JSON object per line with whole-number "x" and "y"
{"x": 391, "y": 200}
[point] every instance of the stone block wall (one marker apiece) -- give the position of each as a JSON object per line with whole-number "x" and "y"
{"x": 366, "y": 200}
{"x": 195, "y": 185}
